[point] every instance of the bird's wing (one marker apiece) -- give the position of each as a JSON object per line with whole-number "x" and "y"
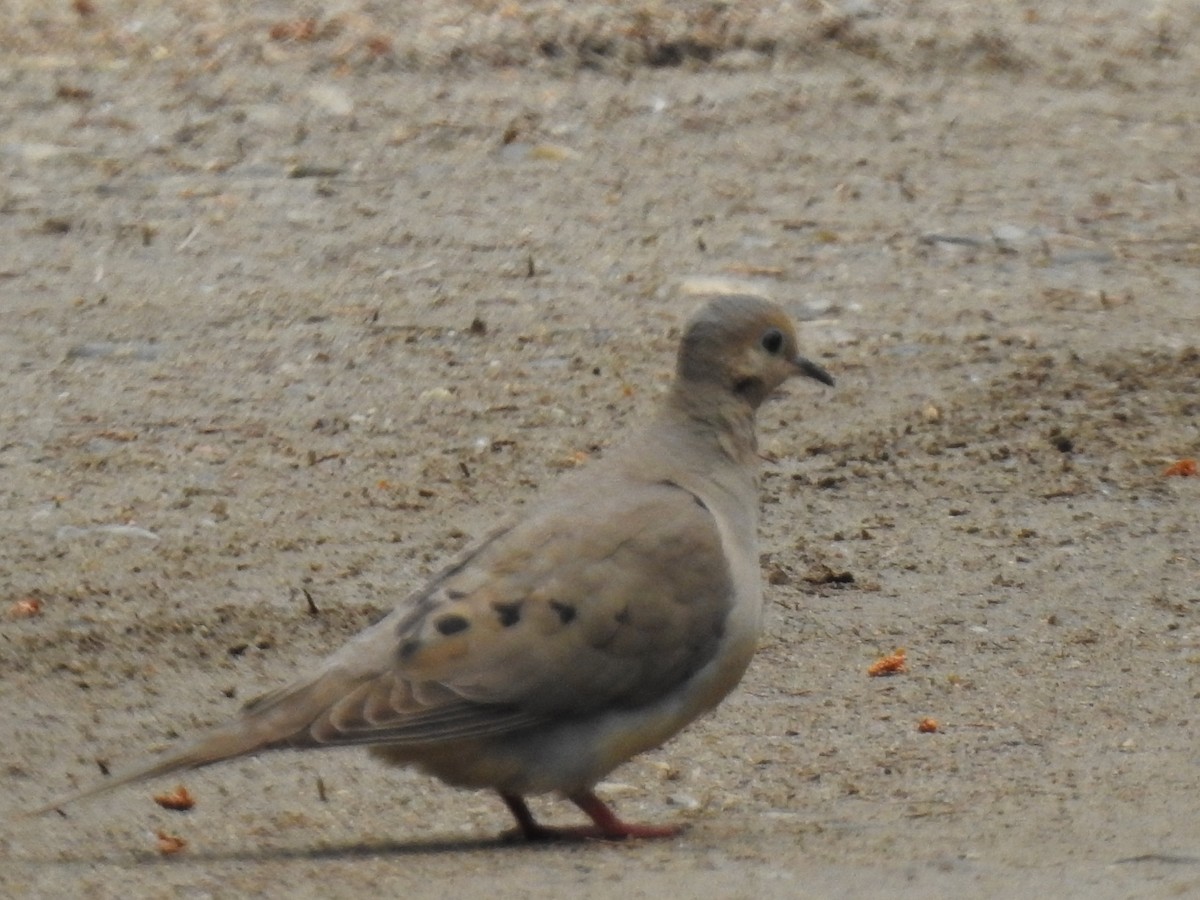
{"x": 611, "y": 599}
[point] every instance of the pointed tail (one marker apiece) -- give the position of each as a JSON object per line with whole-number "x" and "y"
{"x": 276, "y": 721}
{"x": 222, "y": 743}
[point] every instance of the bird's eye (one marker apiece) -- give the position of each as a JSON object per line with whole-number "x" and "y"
{"x": 772, "y": 341}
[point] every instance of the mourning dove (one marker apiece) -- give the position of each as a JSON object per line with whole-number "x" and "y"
{"x": 615, "y": 612}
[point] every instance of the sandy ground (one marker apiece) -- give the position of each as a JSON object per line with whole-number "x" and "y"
{"x": 303, "y": 305}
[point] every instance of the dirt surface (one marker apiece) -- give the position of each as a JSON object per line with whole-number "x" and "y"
{"x": 304, "y": 304}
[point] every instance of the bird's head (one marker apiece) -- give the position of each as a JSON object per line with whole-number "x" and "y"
{"x": 744, "y": 346}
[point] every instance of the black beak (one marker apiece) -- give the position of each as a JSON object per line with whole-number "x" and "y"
{"x": 810, "y": 369}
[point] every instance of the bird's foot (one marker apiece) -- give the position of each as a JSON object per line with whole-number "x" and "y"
{"x": 605, "y": 824}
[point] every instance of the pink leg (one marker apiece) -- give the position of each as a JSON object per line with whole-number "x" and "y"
{"x": 606, "y": 826}
{"x": 613, "y": 829}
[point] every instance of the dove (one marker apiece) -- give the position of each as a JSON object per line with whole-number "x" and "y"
{"x": 614, "y": 612}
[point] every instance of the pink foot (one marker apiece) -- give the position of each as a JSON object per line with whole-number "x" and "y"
{"x": 606, "y": 826}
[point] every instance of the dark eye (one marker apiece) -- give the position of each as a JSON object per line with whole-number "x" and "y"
{"x": 772, "y": 341}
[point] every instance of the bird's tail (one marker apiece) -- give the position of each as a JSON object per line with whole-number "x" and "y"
{"x": 275, "y": 721}
{"x": 222, "y": 743}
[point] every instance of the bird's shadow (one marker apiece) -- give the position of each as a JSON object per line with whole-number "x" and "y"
{"x": 330, "y": 853}
{"x": 359, "y": 850}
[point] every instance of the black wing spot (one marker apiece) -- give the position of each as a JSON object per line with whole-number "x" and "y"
{"x": 451, "y": 624}
{"x": 408, "y": 648}
{"x": 509, "y": 613}
{"x": 566, "y": 612}
{"x": 455, "y": 594}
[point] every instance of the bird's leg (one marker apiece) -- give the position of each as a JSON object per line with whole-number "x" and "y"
{"x": 526, "y": 824}
{"x": 531, "y": 830}
{"x": 612, "y": 828}
{"x": 606, "y": 826}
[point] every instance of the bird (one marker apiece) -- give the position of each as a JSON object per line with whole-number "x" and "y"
{"x": 594, "y": 627}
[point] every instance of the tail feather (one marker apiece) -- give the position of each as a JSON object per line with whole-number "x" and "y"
{"x": 222, "y": 743}
{"x": 276, "y": 721}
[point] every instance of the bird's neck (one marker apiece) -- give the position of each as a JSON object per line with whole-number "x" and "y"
{"x": 717, "y": 418}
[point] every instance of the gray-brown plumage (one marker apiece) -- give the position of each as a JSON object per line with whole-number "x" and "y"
{"x": 615, "y": 612}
